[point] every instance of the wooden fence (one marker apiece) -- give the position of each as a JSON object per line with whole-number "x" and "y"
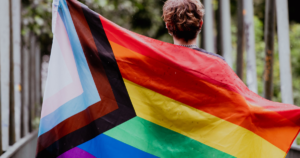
{"x": 20, "y": 62}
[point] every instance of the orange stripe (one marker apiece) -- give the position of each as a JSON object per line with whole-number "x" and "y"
{"x": 190, "y": 90}
{"x": 212, "y": 69}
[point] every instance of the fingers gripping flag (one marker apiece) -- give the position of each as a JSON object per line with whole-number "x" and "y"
{"x": 114, "y": 93}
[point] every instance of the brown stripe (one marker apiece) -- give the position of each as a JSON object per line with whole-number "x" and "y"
{"x": 108, "y": 102}
{"x": 76, "y": 122}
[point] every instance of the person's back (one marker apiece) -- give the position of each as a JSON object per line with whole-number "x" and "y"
{"x": 184, "y": 20}
{"x": 206, "y": 52}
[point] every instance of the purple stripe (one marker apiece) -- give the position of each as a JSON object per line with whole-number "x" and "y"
{"x": 76, "y": 153}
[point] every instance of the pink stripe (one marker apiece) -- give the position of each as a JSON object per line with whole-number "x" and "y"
{"x": 76, "y": 153}
{"x": 72, "y": 90}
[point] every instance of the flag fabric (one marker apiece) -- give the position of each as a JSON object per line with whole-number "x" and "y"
{"x": 114, "y": 93}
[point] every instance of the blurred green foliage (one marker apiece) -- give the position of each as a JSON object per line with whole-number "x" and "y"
{"x": 141, "y": 16}
{"x": 36, "y": 19}
{"x": 144, "y": 17}
{"x": 295, "y": 58}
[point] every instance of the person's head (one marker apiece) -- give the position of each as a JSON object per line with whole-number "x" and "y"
{"x": 183, "y": 18}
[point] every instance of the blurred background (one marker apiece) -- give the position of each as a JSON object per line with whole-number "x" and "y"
{"x": 245, "y": 32}
{"x": 144, "y": 17}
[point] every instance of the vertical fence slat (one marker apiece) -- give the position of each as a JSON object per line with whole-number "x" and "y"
{"x": 16, "y": 15}
{"x": 198, "y": 40}
{"x": 284, "y": 51}
{"x": 269, "y": 50}
{"x": 208, "y": 32}
{"x": 32, "y": 80}
{"x": 11, "y": 81}
{"x": 5, "y": 65}
{"x": 240, "y": 41}
{"x": 1, "y": 146}
{"x": 225, "y": 30}
{"x": 25, "y": 83}
{"x": 250, "y": 45}
{"x": 37, "y": 81}
{"x": 22, "y": 130}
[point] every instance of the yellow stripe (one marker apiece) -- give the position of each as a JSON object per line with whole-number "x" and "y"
{"x": 203, "y": 127}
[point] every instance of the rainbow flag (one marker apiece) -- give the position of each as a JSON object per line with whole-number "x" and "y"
{"x": 114, "y": 93}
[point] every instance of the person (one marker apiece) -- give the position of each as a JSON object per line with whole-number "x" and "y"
{"x": 184, "y": 20}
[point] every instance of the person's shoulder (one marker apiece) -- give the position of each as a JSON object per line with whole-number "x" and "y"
{"x": 206, "y": 52}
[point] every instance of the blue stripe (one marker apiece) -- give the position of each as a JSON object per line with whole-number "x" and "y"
{"x": 90, "y": 94}
{"x": 105, "y": 146}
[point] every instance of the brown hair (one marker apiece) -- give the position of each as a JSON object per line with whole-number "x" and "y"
{"x": 183, "y": 17}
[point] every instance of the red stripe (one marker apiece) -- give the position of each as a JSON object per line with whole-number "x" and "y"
{"x": 205, "y": 67}
{"x": 189, "y": 89}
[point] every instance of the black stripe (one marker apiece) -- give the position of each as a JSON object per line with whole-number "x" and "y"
{"x": 88, "y": 132}
{"x": 107, "y": 57}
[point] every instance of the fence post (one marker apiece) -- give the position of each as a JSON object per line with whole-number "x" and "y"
{"x": 16, "y": 21}
{"x": 208, "y": 32}
{"x": 1, "y": 146}
{"x": 25, "y": 84}
{"x": 198, "y": 41}
{"x": 38, "y": 80}
{"x": 11, "y": 81}
{"x": 225, "y": 31}
{"x": 240, "y": 40}
{"x": 250, "y": 45}
{"x": 5, "y": 69}
{"x": 32, "y": 80}
{"x": 269, "y": 50}
{"x": 284, "y": 51}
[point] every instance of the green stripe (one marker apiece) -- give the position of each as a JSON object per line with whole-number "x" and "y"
{"x": 161, "y": 142}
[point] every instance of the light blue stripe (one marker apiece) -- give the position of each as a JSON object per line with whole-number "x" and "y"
{"x": 90, "y": 94}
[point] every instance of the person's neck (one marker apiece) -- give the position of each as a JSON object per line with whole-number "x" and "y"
{"x": 183, "y": 42}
